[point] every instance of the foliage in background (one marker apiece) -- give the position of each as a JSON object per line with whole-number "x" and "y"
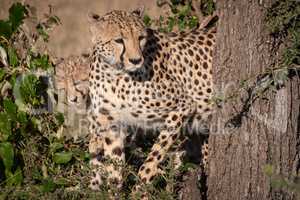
{"x": 280, "y": 182}
{"x": 283, "y": 22}
{"x": 182, "y": 14}
{"x": 17, "y": 13}
{"x": 208, "y": 7}
{"x": 30, "y": 154}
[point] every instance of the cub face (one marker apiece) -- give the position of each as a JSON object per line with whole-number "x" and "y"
{"x": 72, "y": 76}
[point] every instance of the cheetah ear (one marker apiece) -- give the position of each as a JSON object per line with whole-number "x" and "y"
{"x": 139, "y": 12}
{"x": 95, "y": 25}
{"x": 93, "y": 18}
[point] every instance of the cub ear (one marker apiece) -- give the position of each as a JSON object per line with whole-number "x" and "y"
{"x": 93, "y": 18}
{"x": 139, "y": 12}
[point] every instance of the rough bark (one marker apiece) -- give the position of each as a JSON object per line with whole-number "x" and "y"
{"x": 190, "y": 189}
{"x": 268, "y": 132}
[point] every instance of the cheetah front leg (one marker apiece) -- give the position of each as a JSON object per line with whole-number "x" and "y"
{"x": 96, "y": 151}
{"x": 107, "y": 150}
{"x": 166, "y": 139}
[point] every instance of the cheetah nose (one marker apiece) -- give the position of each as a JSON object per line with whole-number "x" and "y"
{"x": 135, "y": 61}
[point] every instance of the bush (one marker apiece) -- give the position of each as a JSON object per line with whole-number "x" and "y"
{"x": 30, "y": 154}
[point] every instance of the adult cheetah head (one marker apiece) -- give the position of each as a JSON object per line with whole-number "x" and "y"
{"x": 119, "y": 38}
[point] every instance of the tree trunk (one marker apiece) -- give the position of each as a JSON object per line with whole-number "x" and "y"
{"x": 261, "y": 145}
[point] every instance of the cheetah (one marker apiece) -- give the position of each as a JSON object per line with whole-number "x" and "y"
{"x": 72, "y": 99}
{"x": 72, "y": 76}
{"x": 139, "y": 76}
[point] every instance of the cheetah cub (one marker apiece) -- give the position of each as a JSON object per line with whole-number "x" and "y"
{"x": 141, "y": 77}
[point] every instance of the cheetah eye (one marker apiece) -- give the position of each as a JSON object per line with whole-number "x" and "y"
{"x": 119, "y": 40}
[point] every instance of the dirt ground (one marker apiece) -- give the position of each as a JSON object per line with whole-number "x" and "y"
{"x": 72, "y": 37}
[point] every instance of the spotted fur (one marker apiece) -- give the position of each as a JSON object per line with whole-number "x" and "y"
{"x": 141, "y": 77}
{"x": 72, "y": 76}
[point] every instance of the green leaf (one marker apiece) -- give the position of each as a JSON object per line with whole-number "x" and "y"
{"x": 15, "y": 178}
{"x": 36, "y": 123}
{"x": 56, "y": 146}
{"x": 5, "y": 29}
{"x": 181, "y": 25}
{"x": 48, "y": 186}
{"x": 171, "y": 23}
{"x": 13, "y": 58}
{"x": 161, "y": 20}
{"x": 36, "y": 174}
{"x": 5, "y": 127}
{"x": 60, "y": 119}
{"x": 80, "y": 154}
{"x": 22, "y": 117}
{"x": 7, "y": 155}
{"x": 62, "y": 181}
{"x": 10, "y": 108}
{"x": 41, "y": 61}
{"x": 30, "y": 88}
{"x": 207, "y": 7}
{"x": 147, "y": 20}
{"x": 62, "y": 157}
{"x": 193, "y": 22}
{"x": 13, "y": 79}
{"x": 16, "y": 15}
